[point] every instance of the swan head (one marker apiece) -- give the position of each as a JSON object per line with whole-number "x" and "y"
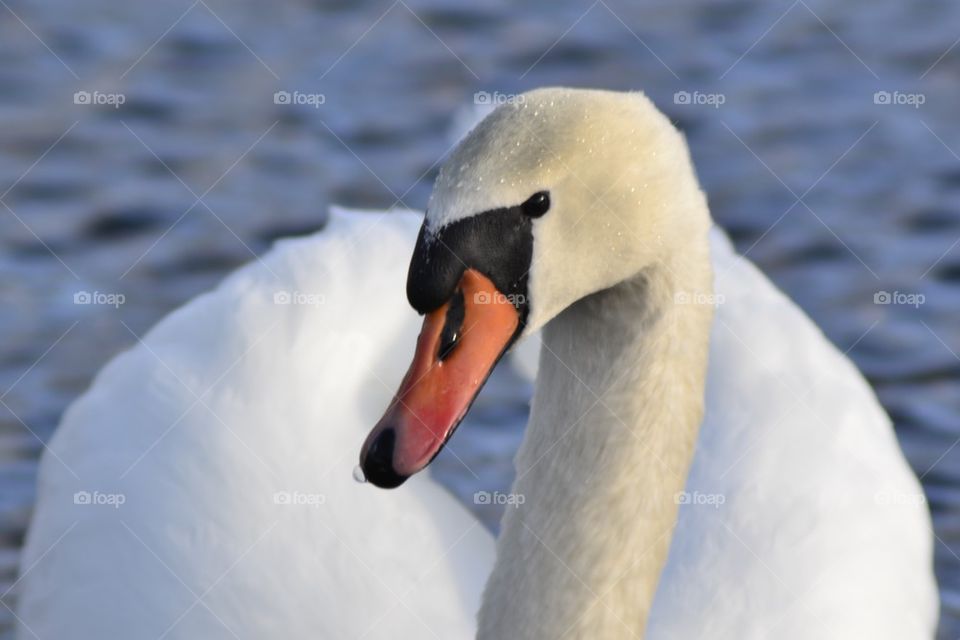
{"x": 556, "y": 195}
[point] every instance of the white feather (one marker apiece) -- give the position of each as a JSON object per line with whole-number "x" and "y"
{"x": 800, "y": 517}
{"x": 230, "y": 401}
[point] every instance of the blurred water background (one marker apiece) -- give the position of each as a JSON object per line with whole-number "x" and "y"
{"x": 840, "y": 193}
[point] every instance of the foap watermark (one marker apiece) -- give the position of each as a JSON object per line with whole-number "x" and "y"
{"x": 698, "y": 297}
{"x": 898, "y": 498}
{"x": 298, "y": 298}
{"x": 505, "y": 499}
{"x": 99, "y": 98}
{"x": 96, "y": 498}
{"x": 484, "y": 297}
{"x": 496, "y": 98}
{"x": 700, "y": 499}
{"x": 899, "y": 298}
{"x": 899, "y": 98}
{"x": 300, "y": 98}
{"x": 299, "y": 498}
{"x": 699, "y": 98}
{"x": 99, "y": 298}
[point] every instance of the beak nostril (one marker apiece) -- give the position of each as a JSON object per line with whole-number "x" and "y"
{"x": 446, "y": 347}
{"x": 450, "y": 335}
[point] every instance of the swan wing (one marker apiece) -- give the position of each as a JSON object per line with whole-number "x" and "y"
{"x": 801, "y": 517}
{"x": 201, "y": 488}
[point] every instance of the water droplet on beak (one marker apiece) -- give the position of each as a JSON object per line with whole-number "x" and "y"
{"x": 358, "y": 475}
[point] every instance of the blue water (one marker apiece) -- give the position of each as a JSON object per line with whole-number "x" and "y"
{"x": 837, "y": 192}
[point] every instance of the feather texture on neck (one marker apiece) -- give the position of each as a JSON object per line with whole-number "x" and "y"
{"x": 614, "y": 423}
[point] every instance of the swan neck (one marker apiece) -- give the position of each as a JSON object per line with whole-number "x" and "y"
{"x": 613, "y": 426}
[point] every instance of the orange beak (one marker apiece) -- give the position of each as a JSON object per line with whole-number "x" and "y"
{"x": 459, "y": 344}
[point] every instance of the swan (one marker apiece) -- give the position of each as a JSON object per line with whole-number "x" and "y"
{"x": 700, "y": 462}
{"x": 578, "y": 212}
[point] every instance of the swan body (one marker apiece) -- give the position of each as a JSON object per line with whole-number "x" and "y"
{"x": 700, "y": 461}
{"x": 823, "y": 530}
{"x": 231, "y": 432}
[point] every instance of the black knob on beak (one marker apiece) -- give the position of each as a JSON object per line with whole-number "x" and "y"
{"x": 377, "y": 464}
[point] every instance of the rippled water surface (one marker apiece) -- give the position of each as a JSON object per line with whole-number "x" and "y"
{"x": 837, "y": 194}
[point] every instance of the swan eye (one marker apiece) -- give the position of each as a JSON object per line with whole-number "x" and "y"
{"x": 537, "y": 204}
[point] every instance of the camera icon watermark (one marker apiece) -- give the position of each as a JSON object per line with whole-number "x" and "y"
{"x": 696, "y": 498}
{"x": 496, "y": 98}
{"x": 898, "y": 498}
{"x": 484, "y": 297}
{"x": 698, "y": 297}
{"x": 99, "y": 98}
{"x": 899, "y": 298}
{"x": 899, "y": 98}
{"x": 298, "y": 298}
{"x": 99, "y": 298}
{"x": 298, "y": 498}
{"x": 96, "y": 498}
{"x": 299, "y": 98}
{"x": 714, "y": 100}
{"x": 497, "y": 498}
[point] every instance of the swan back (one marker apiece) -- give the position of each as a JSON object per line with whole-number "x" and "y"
{"x": 229, "y": 434}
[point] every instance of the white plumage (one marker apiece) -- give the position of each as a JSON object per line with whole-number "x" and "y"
{"x": 824, "y": 532}
{"x": 233, "y": 405}
{"x": 800, "y": 517}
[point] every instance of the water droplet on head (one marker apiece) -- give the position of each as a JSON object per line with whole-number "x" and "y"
{"x": 358, "y": 475}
